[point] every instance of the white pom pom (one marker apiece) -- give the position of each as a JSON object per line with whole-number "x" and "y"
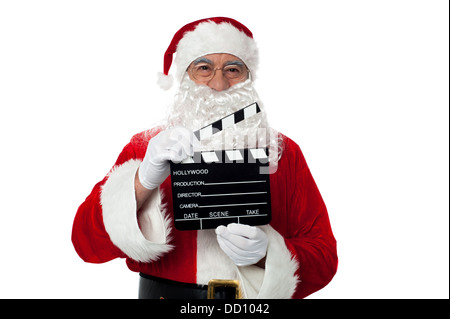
{"x": 165, "y": 82}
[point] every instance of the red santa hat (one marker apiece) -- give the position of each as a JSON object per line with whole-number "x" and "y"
{"x": 208, "y": 36}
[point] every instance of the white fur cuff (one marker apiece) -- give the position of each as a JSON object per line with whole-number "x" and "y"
{"x": 118, "y": 202}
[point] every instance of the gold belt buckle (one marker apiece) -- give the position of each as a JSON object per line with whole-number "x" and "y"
{"x": 213, "y": 283}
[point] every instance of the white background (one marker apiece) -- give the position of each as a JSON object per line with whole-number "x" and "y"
{"x": 361, "y": 86}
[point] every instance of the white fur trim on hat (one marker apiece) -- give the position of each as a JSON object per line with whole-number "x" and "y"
{"x": 209, "y": 38}
{"x": 165, "y": 82}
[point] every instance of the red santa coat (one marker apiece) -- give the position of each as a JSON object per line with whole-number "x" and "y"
{"x": 301, "y": 254}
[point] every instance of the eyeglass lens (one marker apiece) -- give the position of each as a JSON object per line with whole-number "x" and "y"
{"x": 205, "y": 71}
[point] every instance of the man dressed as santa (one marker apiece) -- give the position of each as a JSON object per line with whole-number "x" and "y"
{"x": 129, "y": 214}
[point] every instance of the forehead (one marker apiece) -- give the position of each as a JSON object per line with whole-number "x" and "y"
{"x": 217, "y": 59}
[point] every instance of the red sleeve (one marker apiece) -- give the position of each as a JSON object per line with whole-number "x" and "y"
{"x": 309, "y": 235}
{"x": 89, "y": 237}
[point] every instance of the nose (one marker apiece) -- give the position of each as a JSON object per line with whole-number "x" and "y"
{"x": 219, "y": 82}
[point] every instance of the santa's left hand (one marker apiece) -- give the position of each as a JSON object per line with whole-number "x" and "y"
{"x": 245, "y": 245}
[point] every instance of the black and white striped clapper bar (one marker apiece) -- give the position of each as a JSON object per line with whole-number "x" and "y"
{"x": 215, "y": 188}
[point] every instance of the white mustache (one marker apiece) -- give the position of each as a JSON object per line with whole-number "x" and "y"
{"x": 199, "y": 105}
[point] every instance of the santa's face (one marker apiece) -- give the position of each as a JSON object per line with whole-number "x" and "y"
{"x": 200, "y": 103}
{"x": 214, "y": 85}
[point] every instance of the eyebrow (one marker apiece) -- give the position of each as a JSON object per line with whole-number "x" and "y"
{"x": 202, "y": 60}
{"x": 208, "y": 61}
{"x": 239, "y": 63}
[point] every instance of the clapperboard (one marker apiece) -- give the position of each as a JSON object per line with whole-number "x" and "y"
{"x": 220, "y": 187}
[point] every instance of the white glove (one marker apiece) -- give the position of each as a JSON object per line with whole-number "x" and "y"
{"x": 173, "y": 144}
{"x": 245, "y": 245}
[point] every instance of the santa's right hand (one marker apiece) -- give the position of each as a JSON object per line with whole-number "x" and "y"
{"x": 173, "y": 144}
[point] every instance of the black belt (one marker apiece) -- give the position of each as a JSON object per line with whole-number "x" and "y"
{"x": 157, "y": 288}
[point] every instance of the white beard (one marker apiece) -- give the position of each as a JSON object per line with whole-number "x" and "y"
{"x": 196, "y": 106}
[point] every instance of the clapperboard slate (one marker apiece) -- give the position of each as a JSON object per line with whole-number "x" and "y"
{"x": 215, "y": 188}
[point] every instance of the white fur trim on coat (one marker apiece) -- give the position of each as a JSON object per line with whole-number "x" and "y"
{"x": 212, "y": 262}
{"x": 120, "y": 218}
{"x": 209, "y": 38}
{"x": 278, "y": 280}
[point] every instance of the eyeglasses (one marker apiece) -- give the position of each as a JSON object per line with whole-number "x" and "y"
{"x": 205, "y": 72}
